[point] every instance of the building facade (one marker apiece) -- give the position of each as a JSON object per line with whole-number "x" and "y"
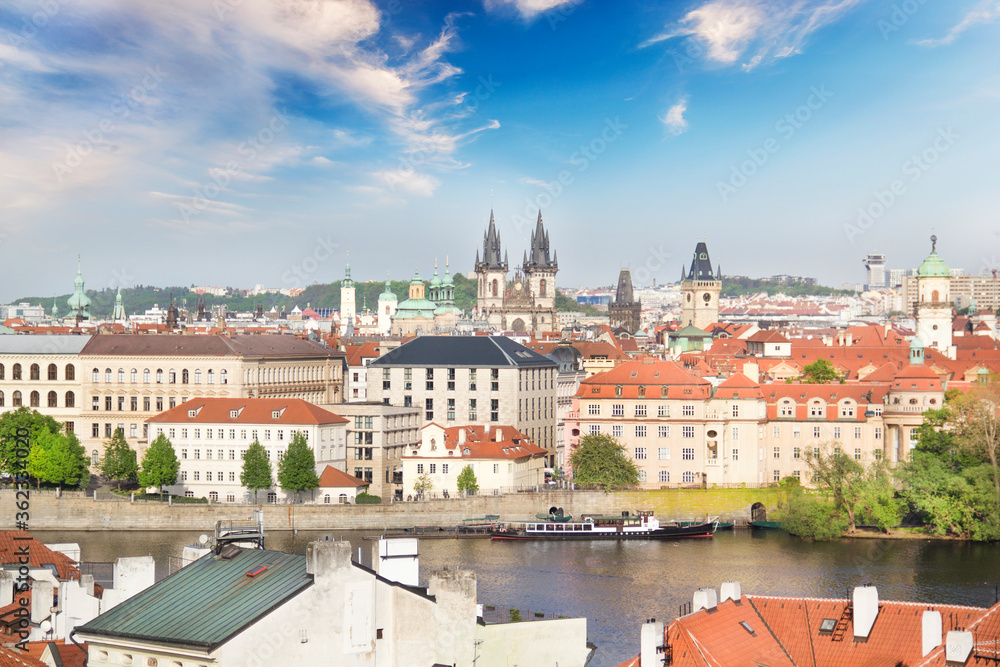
{"x": 700, "y": 289}
{"x": 460, "y": 380}
{"x": 211, "y": 435}
{"x": 43, "y": 373}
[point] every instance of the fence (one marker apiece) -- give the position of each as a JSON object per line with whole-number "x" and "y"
{"x": 103, "y": 573}
{"x": 494, "y": 614}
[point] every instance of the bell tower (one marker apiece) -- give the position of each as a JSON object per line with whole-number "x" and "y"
{"x": 491, "y": 271}
{"x": 700, "y": 289}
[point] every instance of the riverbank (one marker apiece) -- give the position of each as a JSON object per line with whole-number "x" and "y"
{"x": 48, "y": 512}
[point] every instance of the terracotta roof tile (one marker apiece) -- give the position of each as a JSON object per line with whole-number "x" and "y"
{"x": 13, "y": 541}
{"x": 333, "y": 478}
{"x": 251, "y": 411}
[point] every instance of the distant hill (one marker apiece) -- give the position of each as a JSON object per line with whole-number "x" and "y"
{"x": 741, "y": 285}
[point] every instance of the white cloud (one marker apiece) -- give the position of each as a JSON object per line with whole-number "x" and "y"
{"x": 528, "y": 9}
{"x": 755, "y": 30}
{"x": 984, "y": 12}
{"x": 409, "y": 180}
{"x": 674, "y": 119}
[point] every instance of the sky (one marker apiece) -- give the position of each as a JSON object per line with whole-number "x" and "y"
{"x": 237, "y": 142}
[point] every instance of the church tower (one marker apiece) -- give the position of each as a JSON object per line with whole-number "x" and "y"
{"x": 387, "y": 302}
{"x": 347, "y": 300}
{"x": 540, "y": 269}
{"x": 625, "y": 311}
{"x": 934, "y": 316}
{"x": 78, "y": 301}
{"x": 700, "y": 289}
{"x": 119, "y": 313}
{"x": 491, "y": 271}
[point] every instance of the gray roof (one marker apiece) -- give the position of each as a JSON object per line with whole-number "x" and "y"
{"x": 186, "y": 345}
{"x": 480, "y": 351}
{"x": 42, "y": 344}
{"x": 207, "y": 602}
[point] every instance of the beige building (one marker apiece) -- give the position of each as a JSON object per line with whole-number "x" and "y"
{"x": 43, "y": 373}
{"x": 378, "y": 436}
{"x": 459, "y": 380}
{"x": 211, "y": 435}
{"x": 680, "y": 430}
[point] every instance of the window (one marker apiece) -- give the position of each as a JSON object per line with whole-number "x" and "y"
{"x": 172, "y": 376}
{"x": 420, "y": 469}
{"x": 787, "y": 409}
{"x": 642, "y": 475}
{"x": 847, "y": 410}
{"x": 594, "y": 409}
{"x": 616, "y": 430}
{"x": 777, "y": 452}
{"x": 53, "y": 399}
{"x": 16, "y": 372}
{"x": 640, "y": 410}
{"x": 777, "y": 431}
{"x": 494, "y": 409}
{"x": 159, "y": 376}
{"x": 687, "y": 454}
{"x": 272, "y": 497}
{"x": 640, "y": 453}
{"x": 776, "y": 476}
{"x": 663, "y": 410}
{"x": 594, "y": 429}
{"x": 232, "y": 476}
{"x": 687, "y": 410}
{"x": 736, "y": 410}
{"x": 687, "y": 477}
{"x": 664, "y": 476}
{"x": 472, "y": 409}
{"x": 617, "y": 410}
{"x": 618, "y": 391}
{"x": 857, "y": 454}
{"x": 429, "y": 409}
{"x": 640, "y": 431}
{"x": 433, "y": 468}
{"x": 687, "y": 431}
{"x": 451, "y": 379}
{"x": 210, "y": 376}
{"x": 816, "y": 431}
{"x": 663, "y": 431}
{"x": 197, "y": 376}
{"x": 450, "y": 415}
{"x": 736, "y": 433}
{"x": 34, "y": 399}
{"x": 70, "y": 372}
{"x": 836, "y": 433}
{"x": 816, "y": 410}
{"x": 35, "y": 372}
{"x": 878, "y": 432}
{"x": 796, "y": 453}
{"x": 494, "y": 379}
{"x": 878, "y": 454}
{"x": 663, "y": 453}
{"x": 53, "y": 372}
{"x": 95, "y": 430}
{"x": 223, "y": 378}
{"x": 472, "y": 379}
{"x": 16, "y": 399}
{"x": 208, "y": 476}
{"x": 70, "y": 400}
{"x": 857, "y": 432}
{"x": 736, "y": 455}
{"x": 795, "y": 431}
{"x": 797, "y": 474}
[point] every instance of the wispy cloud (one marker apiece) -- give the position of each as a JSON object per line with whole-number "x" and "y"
{"x": 754, "y": 31}
{"x": 984, "y": 12}
{"x": 674, "y": 119}
{"x": 528, "y": 9}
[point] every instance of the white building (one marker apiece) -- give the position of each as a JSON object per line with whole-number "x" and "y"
{"x": 211, "y": 435}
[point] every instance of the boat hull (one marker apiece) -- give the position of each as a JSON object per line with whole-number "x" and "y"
{"x": 667, "y": 533}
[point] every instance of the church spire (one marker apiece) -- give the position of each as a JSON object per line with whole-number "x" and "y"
{"x": 539, "y": 254}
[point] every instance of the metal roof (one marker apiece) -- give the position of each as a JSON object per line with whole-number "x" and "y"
{"x": 480, "y": 351}
{"x": 207, "y": 602}
{"x": 42, "y": 344}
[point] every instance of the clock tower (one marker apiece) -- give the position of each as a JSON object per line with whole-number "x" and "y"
{"x": 700, "y": 289}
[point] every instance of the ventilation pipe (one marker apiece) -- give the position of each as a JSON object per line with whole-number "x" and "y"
{"x": 730, "y": 590}
{"x": 705, "y": 598}
{"x": 958, "y": 646}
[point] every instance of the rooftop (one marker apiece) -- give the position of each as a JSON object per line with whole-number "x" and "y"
{"x": 480, "y": 351}
{"x": 247, "y": 411}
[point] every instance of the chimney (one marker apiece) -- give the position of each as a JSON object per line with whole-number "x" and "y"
{"x": 327, "y": 559}
{"x": 87, "y": 584}
{"x": 865, "y": 601}
{"x": 958, "y": 646}
{"x": 461, "y": 435}
{"x": 931, "y": 623}
{"x": 650, "y": 639}
{"x": 42, "y": 598}
{"x": 850, "y": 338}
{"x": 6, "y": 588}
{"x": 705, "y": 598}
{"x": 486, "y": 428}
{"x": 730, "y": 590}
{"x": 499, "y": 435}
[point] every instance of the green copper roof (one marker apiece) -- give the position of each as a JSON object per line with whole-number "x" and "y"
{"x": 415, "y": 308}
{"x": 207, "y": 602}
{"x": 387, "y": 294}
{"x": 933, "y": 267}
{"x": 79, "y": 301}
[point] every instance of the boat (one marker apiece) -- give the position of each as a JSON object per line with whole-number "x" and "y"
{"x": 640, "y": 525}
{"x": 767, "y": 525}
{"x": 719, "y": 525}
{"x": 555, "y": 514}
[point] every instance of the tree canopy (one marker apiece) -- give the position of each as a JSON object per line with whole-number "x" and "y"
{"x": 820, "y": 371}
{"x": 58, "y": 459}
{"x": 467, "y": 480}
{"x": 256, "y": 473}
{"x": 297, "y": 468}
{"x": 11, "y": 422}
{"x": 119, "y": 462}
{"x": 160, "y": 465}
{"x": 600, "y": 460}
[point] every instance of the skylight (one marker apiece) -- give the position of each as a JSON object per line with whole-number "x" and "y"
{"x": 827, "y": 626}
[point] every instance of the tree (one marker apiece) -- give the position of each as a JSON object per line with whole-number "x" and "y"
{"x": 22, "y": 419}
{"x": 256, "y": 473}
{"x": 58, "y": 459}
{"x": 119, "y": 462}
{"x": 423, "y": 484}
{"x": 811, "y": 517}
{"x": 159, "y": 465}
{"x": 820, "y": 372}
{"x": 297, "y": 469}
{"x": 600, "y": 460}
{"x": 840, "y": 476}
{"x": 467, "y": 481}
{"x": 975, "y": 421}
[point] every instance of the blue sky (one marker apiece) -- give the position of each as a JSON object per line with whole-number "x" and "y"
{"x": 236, "y": 142}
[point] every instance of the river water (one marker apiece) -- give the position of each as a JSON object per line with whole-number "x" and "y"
{"x": 619, "y": 585}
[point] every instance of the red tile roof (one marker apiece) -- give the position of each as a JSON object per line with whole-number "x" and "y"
{"x": 338, "y": 479}
{"x": 13, "y": 543}
{"x": 479, "y": 444}
{"x": 739, "y": 386}
{"x": 251, "y": 411}
{"x": 650, "y": 374}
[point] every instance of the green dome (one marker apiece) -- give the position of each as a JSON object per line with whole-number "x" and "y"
{"x": 933, "y": 267}
{"x": 387, "y": 294}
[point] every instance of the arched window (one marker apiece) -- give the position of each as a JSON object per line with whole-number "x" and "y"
{"x": 70, "y": 399}
{"x": 222, "y": 377}
{"x": 343, "y": 498}
{"x": 35, "y": 399}
{"x": 133, "y": 376}
{"x": 107, "y": 375}
{"x": 1, "y": 372}
{"x": 70, "y": 372}
{"x": 121, "y": 376}
{"x": 326, "y": 499}
{"x": 53, "y": 372}
{"x": 184, "y": 376}
{"x": 935, "y": 297}
{"x": 95, "y": 376}
{"x": 197, "y": 376}
{"x": 35, "y": 372}
{"x": 211, "y": 376}
{"x": 1, "y": 399}
{"x": 159, "y": 376}
{"x": 95, "y": 458}
{"x": 53, "y": 400}
{"x": 145, "y": 376}
{"x": 15, "y": 399}
{"x": 495, "y": 287}
{"x": 541, "y": 287}
{"x": 618, "y": 390}
{"x": 172, "y": 376}
{"x": 15, "y": 372}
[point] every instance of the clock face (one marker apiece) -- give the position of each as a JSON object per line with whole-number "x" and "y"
{"x": 707, "y": 297}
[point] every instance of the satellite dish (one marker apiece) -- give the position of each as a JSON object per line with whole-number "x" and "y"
{"x": 45, "y": 626}
{"x": 203, "y": 539}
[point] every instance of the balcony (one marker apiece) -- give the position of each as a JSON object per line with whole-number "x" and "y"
{"x": 711, "y": 463}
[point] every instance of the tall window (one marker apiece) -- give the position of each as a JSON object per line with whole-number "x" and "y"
{"x": 34, "y": 399}
{"x": 223, "y": 377}
{"x": 70, "y": 372}
{"x": 172, "y": 376}
{"x": 121, "y": 375}
{"x": 541, "y": 287}
{"x": 159, "y": 376}
{"x": 35, "y": 372}
{"x": 494, "y": 287}
{"x": 53, "y": 400}
{"x": 15, "y": 399}
{"x": 133, "y": 376}
{"x": 16, "y": 372}
{"x": 53, "y": 372}
{"x": 70, "y": 399}
{"x": 184, "y": 376}
{"x": 197, "y": 376}
{"x": 107, "y": 375}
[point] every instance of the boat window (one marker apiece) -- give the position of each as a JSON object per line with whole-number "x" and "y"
{"x": 588, "y": 527}
{"x": 550, "y": 527}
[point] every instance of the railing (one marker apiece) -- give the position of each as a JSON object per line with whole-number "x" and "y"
{"x": 905, "y": 409}
{"x": 103, "y": 573}
{"x": 493, "y": 614}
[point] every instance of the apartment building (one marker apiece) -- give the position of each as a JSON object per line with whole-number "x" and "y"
{"x": 42, "y": 373}
{"x": 462, "y": 380}
{"x": 211, "y": 436}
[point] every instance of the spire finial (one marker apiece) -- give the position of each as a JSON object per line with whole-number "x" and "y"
{"x": 933, "y": 243}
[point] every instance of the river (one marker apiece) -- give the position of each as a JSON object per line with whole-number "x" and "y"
{"x": 619, "y": 585}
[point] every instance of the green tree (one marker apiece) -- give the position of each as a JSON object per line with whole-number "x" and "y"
{"x": 820, "y": 371}
{"x": 10, "y": 423}
{"x": 600, "y": 460}
{"x": 160, "y": 465}
{"x": 58, "y": 459}
{"x": 812, "y": 517}
{"x": 975, "y": 421}
{"x": 256, "y": 472}
{"x": 841, "y": 477}
{"x": 119, "y": 462}
{"x": 297, "y": 468}
{"x": 423, "y": 485}
{"x": 467, "y": 481}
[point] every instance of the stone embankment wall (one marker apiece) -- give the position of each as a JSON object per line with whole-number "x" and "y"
{"x": 74, "y": 512}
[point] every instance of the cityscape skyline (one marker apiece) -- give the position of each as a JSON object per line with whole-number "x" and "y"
{"x": 148, "y": 137}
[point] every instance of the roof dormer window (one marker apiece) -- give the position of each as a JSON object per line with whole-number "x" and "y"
{"x": 235, "y": 414}
{"x": 276, "y": 414}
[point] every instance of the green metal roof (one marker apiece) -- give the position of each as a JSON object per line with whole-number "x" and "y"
{"x": 207, "y": 602}
{"x": 933, "y": 267}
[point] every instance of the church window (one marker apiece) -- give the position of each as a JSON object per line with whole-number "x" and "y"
{"x": 541, "y": 287}
{"x": 494, "y": 287}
